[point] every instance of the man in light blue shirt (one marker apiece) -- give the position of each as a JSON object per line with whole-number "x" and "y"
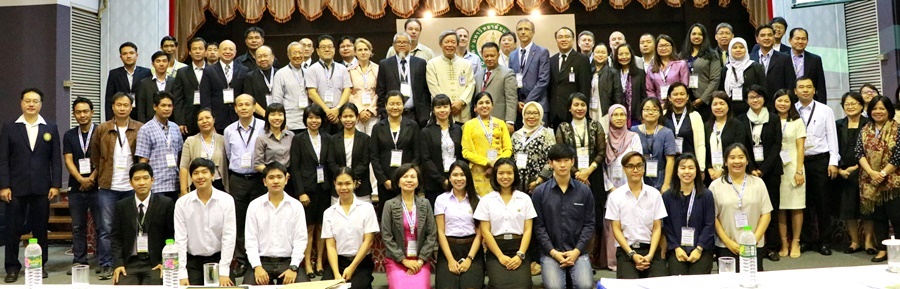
{"x": 159, "y": 143}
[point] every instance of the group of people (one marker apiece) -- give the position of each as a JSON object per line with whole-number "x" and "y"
{"x": 502, "y": 164}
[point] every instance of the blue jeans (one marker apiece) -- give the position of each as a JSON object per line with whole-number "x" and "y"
{"x": 79, "y": 204}
{"x": 554, "y": 277}
{"x": 107, "y": 201}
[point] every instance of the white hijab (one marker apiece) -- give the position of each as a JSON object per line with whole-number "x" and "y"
{"x": 734, "y": 74}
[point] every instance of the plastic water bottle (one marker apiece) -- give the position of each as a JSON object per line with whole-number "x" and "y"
{"x": 33, "y": 264}
{"x": 170, "y": 264}
{"x": 747, "y": 242}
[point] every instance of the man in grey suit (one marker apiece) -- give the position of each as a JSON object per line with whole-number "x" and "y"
{"x": 531, "y": 63}
{"x": 500, "y": 82}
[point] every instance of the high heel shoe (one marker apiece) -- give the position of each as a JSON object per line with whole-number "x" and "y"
{"x": 311, "y": 275}
{"x": 871, "y": 251}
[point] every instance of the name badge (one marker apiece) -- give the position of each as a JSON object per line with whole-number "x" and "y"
{"x": 492, "y": 154}
{"x": 170, "y": 160}
{"x": 687, "y": 236}
{"x": 405, "y": 89}
{"x": 679, "y": 145}
{"x": 268, "y": 98}
{"x": 246, "y": 160}
{"x": 737, "y": 94}
{"x": 121, "y": 163}
{"x": 740, "y": 220}
{"x": 366, "y": 98}
{"x": 143, "y": 243}
{"x": 328, "y": 97}
{"x": 133, "y": 100}
{"x": 571, "y": 77}
{"x": 196, "y": 97}
{"x": 583, "y": 158}
{"x": 228, "y": 96}
{"x": 320, "y": 174}
{"x": 664, "y": 92}
{"x": 84, "y": 166}
{"x": 652, "y": 168}
{"x": 785, "y": 157}
{"x": 519, "y": 79}
{"x": 304, "y": 101}
{"x": 694, "y": 81}
{"x": 521, "y": 160}
{"x": 462, "y": 80}
{"x": 595, "y": 102}
{"x": 717, "y": 159}
{"x": 617, "y": 172}
{"x": 412, "y": 248}
{"x": 758, "y": 153}
{"x": 448, "y": 162}
{"x": 396, "y": 158}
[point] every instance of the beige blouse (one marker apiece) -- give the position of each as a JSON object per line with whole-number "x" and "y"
{"x": 194, "y": 147}
{"x": 364, "y": 83}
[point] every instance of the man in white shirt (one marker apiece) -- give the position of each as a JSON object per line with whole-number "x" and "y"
{"x": 820, "y": 162}
{"x": 289, "y": 88}
{"x": 205, "y": 227}
{"x": 276, "y": 233}
{"x": 307, "y": 49}
{"x": 413, "y": 28}
{"x": 629, "y": 208}
{"x": 327, "y": 84}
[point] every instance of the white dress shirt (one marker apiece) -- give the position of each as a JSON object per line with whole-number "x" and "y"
{"x": 275, "y": 232}
{"x": 120, "y": 179}
{"x": 505, "y": 218}
{"x": 821, "y": 132}
{"x": 458, "y": 215}
{"x": 205, "y": 229}
{"x": 636, "y": 215}
{"x": 198, "y": 71}
{"x": 160, "y": 85}
{"x": 348, "y": 230}
{"x": 289, "y": 89}
{"x": 31, "y": 128}
{"x": 137, "y": 209}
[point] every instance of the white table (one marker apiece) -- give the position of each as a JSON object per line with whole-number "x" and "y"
{"x": 862, "y": 277}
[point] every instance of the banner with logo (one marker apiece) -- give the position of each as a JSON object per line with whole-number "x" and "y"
{"x": 487, "y": 29}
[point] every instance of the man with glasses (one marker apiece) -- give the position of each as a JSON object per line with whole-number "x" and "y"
{"x": 569, "y": 73}
{"x": 531, "y": 63}
{"x": 724, "y": 34}
{"x": 413, "y": 28}
{"x": 406, "y": 74}
{"x": 327, "y": 84}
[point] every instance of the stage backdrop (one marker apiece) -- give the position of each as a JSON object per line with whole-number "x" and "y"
{"x": 487, "y": 29}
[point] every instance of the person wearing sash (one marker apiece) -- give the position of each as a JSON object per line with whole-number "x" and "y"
{"x": 848, "y": 132}
{"x": 667, "y": 68}
{"x": 739, "y": 74}
{"x": 82, "y": 178}
{"x": 485, "y": 139}
{"x": 690, "y": 227}
{"x": 633, "y": 80}
{"x": 349, "y": 228}
{"x": 619, "y": 141}
{"x": 394, "y": 141}
{"x": 658, "y": 143}
{"x": 605, "y": 90}
{"x": 159, "y": 143}
{"x": 207, "y": 144}
{"x": 741, "y": 201}
{"x": 350, "y": 148}
{"x": 793, "y": 183}
{"x": 327, "y": 84}
{"x": 275, "y": 144}
{"x": 686, "y": 124}
{"x": 362, "y": 94}
{"x": 289, "y": 88}
{"x": 505, "y": 217}
{"x": 439, "y": 148}
{"x": 879, "y": 157}
{"x": 722, "y": 131}
{"x": 408, "y": 232}
{"x": 460, "y": 262}
{"x": 310, "y": 151}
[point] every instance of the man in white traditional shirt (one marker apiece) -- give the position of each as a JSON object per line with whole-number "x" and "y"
{"x": 451, "y": 75}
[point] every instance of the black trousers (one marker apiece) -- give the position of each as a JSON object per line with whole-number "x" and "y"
{"x": 362, "y": 276}
{"x": 888, "y": 212}
{"x": 626, "y": 269}
{"x": 31, "y": 212}
{"x": 773, "y": 238}
{"x": 817, "y": 228}
{"x": 700, "y": 267}
{"x": 244, "y": 188}
{"x": 274, "y": 267}
{"x": 140, "y": 272}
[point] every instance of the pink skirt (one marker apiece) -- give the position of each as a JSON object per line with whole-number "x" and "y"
{"x": 397, "y": 277}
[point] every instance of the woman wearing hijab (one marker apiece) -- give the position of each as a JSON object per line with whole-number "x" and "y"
{"x": 739, "y": 74}
{"x": 619, "y": 141}
{"x": 530, "y": 146}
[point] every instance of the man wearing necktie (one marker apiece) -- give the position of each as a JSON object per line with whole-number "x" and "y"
{"x": 724, "y": 34}
{"x": 187, "y": 88}
{"x": 569, "y": 73}
{"x": 500, "y": 82}
{"x": 407, "y": 75}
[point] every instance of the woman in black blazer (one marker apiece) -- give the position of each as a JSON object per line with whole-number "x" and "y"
{"x": 354, "y": 144}
{"x": 439, "y": 147}
{"x": 633, "y": 80}
{"x": 309, "y": 155}
{"x": 848, "y": 129}
{"x": 721, "y": 132}
{"x": 739, "y": 74}
{"x": 394, "y": 136}
{"x": 765, "y": 137}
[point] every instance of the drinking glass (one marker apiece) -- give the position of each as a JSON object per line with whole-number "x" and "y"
{"x": 211, "y": 274}
{"x": 80, "y": 276}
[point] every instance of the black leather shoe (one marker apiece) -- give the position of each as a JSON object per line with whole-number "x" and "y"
{"x": 875, "y": 259}
{"x": 851, "y": 250}
{"x": 773, "y": 256}
{"x": 871, "y": 251}
{"x": 44, "y": 274}
{"x": 824, "y": 250}
{"x": 320, "y": 273}
{"x": 11, "y": 277}
{"x": 106, "y": 273}
{"x": 311, "y": 275}
{"x": 805, "y": 247}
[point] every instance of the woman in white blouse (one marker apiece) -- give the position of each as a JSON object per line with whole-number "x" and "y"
{"x": 348, "y": 228}
{"x": 460, "y": 263}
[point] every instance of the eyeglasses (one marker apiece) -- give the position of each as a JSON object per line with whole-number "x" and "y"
{"x": 634, "y": 167}
{"x": 533, "y": 113}
{"x": 851, "y": 104}
{"x": 402, "y": 42}
{"x": 652, "y": 110}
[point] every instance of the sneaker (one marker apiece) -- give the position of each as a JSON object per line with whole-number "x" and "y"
{"x": 106, "y": 273}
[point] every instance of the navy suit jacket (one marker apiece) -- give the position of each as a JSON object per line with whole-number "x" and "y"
{"x": 389, "y": 79}
{"x": 211, "y": 87}
{"x": 812, "y": 68}
{"x": 159, "y": 219}
{"x": 779, "y": 75}
{"x": 26, "y": 171}
{"x": 536, "y": 78}
{"x": 117, "y": 81}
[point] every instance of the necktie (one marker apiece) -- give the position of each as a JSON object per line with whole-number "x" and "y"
{"x": 403, "y": 70}
{"x": 228, "y": 72}
{"x": 724, "y": 57}
{"x": 522, "y": 60}
{"x": 141, "y": 216}
{"x": 305, "y": 66}
{"x": 561, "y": 62}
{"x": 487, "y": 76}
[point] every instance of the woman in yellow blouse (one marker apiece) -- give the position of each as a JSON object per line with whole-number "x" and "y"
{"x": 484, "y": 140}
{"x": 363, "y": 75}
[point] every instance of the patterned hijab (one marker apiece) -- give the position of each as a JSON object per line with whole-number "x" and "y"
{"x": 619, "y": 138}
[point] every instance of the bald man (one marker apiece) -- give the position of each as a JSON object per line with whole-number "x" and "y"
{"x": 259, "y": 81}
{"x": 618, "y": 38}
{"x": 220, "y": 84}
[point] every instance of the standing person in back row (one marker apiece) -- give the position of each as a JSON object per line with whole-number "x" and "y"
{"x": 221, "y": 84}
{"x": 407, "y": 75}
{"x": 451, "y": 75}
{"x": 500, "y": 82}
{"x": 779, "y": 71}
{"x": 413, "y": 28}
{"x": 807, "y": 63}
{"x": 125, "y": 79}
{"x": 531, "y": 63}
{"x": 254, "y": 38}
{"x": 159, "y": 143}
{"x": 569, "y": 73}
{"x": 187, "y": 88}
{"x": 30, "y": 176}
{"x": 327, "y": 84}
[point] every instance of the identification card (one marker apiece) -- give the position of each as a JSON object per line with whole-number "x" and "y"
{"x": 652, "y": 167}
{"x": 519, "y": 79}
{"x": 396, "y": 158}
{"x": 121, "y": 163}
{"x": 571, "y": 77}
{"x": 228, "y": 96}
{"x": 246, "y": 160}
{"x": 618, "y": 173}
{"x": 687, "y": 236}
{"x": 366, "y": 98}
{"x": 664, "y": 92}
{"x": 785, "y": 157}
{"x": 740, "y": 220}
{"x": 84, "y": 166}
{"x": 694, "y": 81}
{"x": 133, "y": 100}
{"x": 196, "y": 97}
{"x": 143, "y": 243}
{"x": 595, "y": 102}
{"x": 320, "y": 174}
{"x": 583, "y": 158}
{"x": 521, "y": 160}
{"x": 462, "y": 80}
{"x": 328, "y": 97}
{"x": 447, "y": 163}
{"x": 717, "y": 158}
{"x": 170, "y": 160}
{"x": 412, "y": 248}
{"x": 737, "y": 94}
{"x": 304, "y": 101}
{"x": 679, "y": 145}
{"x": 405, "y": 89}
{"x": 492, "y": 154}
{"x": 758, "y": 153}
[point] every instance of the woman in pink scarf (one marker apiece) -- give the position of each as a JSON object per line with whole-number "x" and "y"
{"x": 619, "y": 141}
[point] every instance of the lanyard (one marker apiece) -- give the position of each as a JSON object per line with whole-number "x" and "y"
{"x": 268, "y": 80}
{"x": 665, "y": 73}
{"x": 690, "y": 207}
{"x": 331, "y": 75}
{"x": 119, "y": 134}
{"x": 165, "y": 133}
{"x": 317, "y": 145}
{"x": 410, "y": 217}
{"x": 783, "y": 126}
{"x": 718, "y": 133}
{"x": 813, "y": 111}
{"x": 651, "y": 139}
{"x": 141, "y": 220}
{"x": 85, "y": 142}
{"x": 756, "y": 138}
{"x": 533, "y": 136}
{"x": 489, "y": 134}
{"x": 741, "y": 192}
{"x": 583, "y": 135}
{"x": 404, "y": 73}
{"x": 298, "y": 77}
{"x": 209, "y": 150}
{"x": 678, "y": 122}
{"x": 241, "y": 134}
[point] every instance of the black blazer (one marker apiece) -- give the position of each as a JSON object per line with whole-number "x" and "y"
{"x": 185, "y": 112}
{"x": 784, "y": 48}
{"x": 255, "y": 85}
{"x": 211, "y": 87}
{"x": 250, "y": 62}
{"x": 771, "y": 165}
{"x": 638, "y": 89}
{"x": 117, "y": 81}
{"x": 360, "y": 161}
{"x": 144, "y": 100}
{"x": 735, "y": 131}
{"x": 159, "y": 225}
{"x": 610, "y": 88}
{"x": 304, "y": 163}
{"x": 389, "y": 79}
{"x": 25, "y": 171}
{"x": 381, "y": 144}
{"x": 560, "y": 87}
{"x": 780, "y": 74}
{"x": 431, "y": 156}
{"x": 847, "y": 142}
{"x": 754, "y": 74}
{"x": 812, "y": 68}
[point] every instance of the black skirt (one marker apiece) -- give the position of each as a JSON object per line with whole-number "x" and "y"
{"x": 499, "y": 276}
{"x": 472, "y": 278}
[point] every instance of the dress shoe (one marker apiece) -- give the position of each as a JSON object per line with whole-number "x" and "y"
{"x": 11, "y": 277}
{"x": 871, "y": 251}
{"x": 875, "y": 259}
{"x": 311, "y": 275}
{"x": 106, "y": 273}
{"x": 773, "y": 256}
{"x": 97, "y": 270}
{"x": 320, "y": 273}
{"x": 851, "y": 250}
{"x": 44, "y": 274}
{"x": 824, "y": 250}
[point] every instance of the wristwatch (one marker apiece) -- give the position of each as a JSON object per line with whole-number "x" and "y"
{"x": 631, "y": 254}
{"x": 293, "y": 268}
{"x": 520, "y": 255}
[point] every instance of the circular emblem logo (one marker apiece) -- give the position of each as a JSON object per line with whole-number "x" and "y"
{"x": 488, "y": 32}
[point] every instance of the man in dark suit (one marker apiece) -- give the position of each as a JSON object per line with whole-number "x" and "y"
{"x": 569, "y": 73}
{"x": 221, "y": 84}
{"x": 139, "y": 232}
{"x": 254, "y": 38}
{"x": 411, "y": 76}
{"x": 779, "y": 26}
{"x": 126, "y": 78}
{"x": 258, "y": 82}
{"x": 151, "y": 85}
{"x": 30, "y": 176}
{"x": 186, "y": 92}
{"x": 806, "y": 63}
{"x": 724, "y": 35}
{"x": 531, "y": 63}
{"x": 779, "y": 71}
{"x": 500, "y": 82}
